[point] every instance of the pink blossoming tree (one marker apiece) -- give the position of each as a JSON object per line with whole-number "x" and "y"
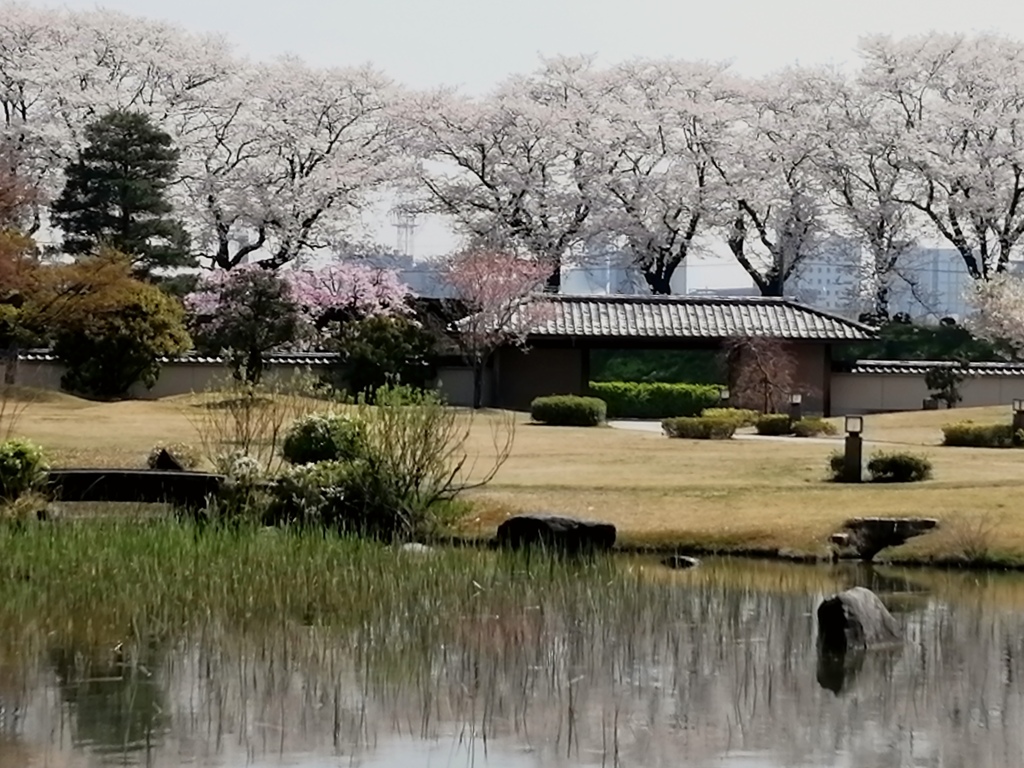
{"x": 495, "y": 288}
{"x": 248, "y": 311}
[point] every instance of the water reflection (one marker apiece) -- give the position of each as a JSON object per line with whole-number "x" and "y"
{"x": 718, "y": 667}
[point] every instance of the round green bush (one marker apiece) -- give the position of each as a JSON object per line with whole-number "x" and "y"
{"x": 774, "y": 424}
{"x": 568, "y": 411}
{"x": 324, "y": 437}
{"x": 812, "y": 426}
{"x": 742, "y": 417}
{"x": 23, "y": 468}
{"x": 967, "y": 434}
{"x": 700, "y": 427}
{"x": 899, "y": 467}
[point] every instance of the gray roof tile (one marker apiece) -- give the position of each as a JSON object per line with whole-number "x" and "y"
{"x": 692, "y": 317}
{"x": 921, "y": 367}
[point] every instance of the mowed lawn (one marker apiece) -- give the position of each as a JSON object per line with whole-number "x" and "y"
{"x": 741, "y": 493}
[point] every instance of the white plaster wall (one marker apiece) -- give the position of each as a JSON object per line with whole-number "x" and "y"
{"x": 869, "y": 393}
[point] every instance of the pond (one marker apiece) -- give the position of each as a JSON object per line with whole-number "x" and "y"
{"x": 514, "y": 662}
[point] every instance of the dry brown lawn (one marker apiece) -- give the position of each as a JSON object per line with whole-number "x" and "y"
{"x": 763, "y": 494}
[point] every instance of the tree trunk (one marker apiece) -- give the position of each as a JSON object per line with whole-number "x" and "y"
{"x": 10, "y": 356}
{"x": 554, "y": 281}
{"x": 659, "y": 281}
{"x": 478, "y": 384}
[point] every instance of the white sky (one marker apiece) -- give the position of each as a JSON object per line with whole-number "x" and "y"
{"x": 476, "y": 43}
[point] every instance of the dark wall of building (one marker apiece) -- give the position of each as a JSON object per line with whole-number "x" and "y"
{"x": 522, "y": 375}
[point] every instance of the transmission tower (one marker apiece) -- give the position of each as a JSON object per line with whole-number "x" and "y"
{"x": 405, "y": 221}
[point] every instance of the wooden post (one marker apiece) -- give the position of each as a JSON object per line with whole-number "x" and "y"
{"x": 852, "y": 458}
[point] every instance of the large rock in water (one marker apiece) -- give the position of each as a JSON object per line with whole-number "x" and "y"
{"x": 855, "y": 620}
{"x": 567, "y": 535}
{"x": 865, "y": 537}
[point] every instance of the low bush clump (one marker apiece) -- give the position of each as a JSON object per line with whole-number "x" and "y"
{"x": 654, "y": 400}
{"x": 699, "y": 428}
{"x": 324, "y": 437}
{"x": 569, "y": 411}
{"x": 23, "y": 468}
{"x": 774, "y": 424}
{"x": 898, "y": 467}
{"x": 812, "y": 426}
{"x": 400, "y": 481}
{"x": 836, "y": 466}
{"x": 970, "y": 435}
{"x": 743, "y": 417}
{"x": 186, "y": 455}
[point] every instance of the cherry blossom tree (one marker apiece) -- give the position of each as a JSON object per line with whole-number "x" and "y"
{"x": 667, "y": 118}
{"x": 515, "y": 171}
{"x": 958, "y": 103}
{"x": 248, "y": 311}
{"x": 60, "y": 69}
{"x": 774, "y": 218}
{"x": 999, "y": 305}
{"x": 495, "y": 289}
{"x": 344, "y": 291}
{"x": 863, "y": 180}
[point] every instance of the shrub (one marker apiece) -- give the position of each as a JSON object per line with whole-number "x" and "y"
{"x": 699, "y": 428}
{"x": 246, "y": 494}
{"x": 898, "y": 468}
{"x": 230, "y": 315}
{"x": 971, "y": 435}
{"x": 23, "y": 468}
{"x": 836, "y": 466}
{"x": 324, "y": 437}
{"x": 184, "y": 454}
{"x": 116, "y": 338}
{"x": 640, "y": 400}
{"x": 568, "y": 411}
{"x": 379, "y": 350}
{"x": 774, "y": 424}
{"x": 812, "y": 426}
{"x": 743, "y": 417}
{"x": 250, "y": 419}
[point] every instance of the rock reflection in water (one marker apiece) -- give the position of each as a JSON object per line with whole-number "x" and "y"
{"x": 702, "y": 668}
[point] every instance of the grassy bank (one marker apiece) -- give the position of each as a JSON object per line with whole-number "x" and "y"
{"x": 766, "y": 495}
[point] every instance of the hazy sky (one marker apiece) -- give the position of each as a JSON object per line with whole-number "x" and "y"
{"x": 476, "y": 43}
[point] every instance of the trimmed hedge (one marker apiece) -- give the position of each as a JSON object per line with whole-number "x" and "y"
{"x": 899, "y": 468}
{"x": 970, "y": 435}
{"x": 699, "y": 428}
{"x": 653, "y": 400}
{"x": 743, "y": 417}
{"x": 774, "y": 424}
{"x": 812, "y": 426}
{"x": 568, "y": 411}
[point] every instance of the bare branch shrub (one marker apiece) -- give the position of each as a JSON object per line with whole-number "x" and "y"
{"x": 239, "y": 418}
{"x": 762, "y": 372}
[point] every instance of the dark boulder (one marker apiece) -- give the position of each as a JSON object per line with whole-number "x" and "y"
{"x": 680, "y": 562}
{"x": 567, "y": 535}
{"x": 855, "y": 620}
{"x": 865, "y": 537}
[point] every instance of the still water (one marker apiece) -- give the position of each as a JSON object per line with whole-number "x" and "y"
{"x": 718, "y": 668}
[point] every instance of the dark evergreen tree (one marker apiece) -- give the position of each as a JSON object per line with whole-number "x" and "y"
{"x": 116, "y": 194}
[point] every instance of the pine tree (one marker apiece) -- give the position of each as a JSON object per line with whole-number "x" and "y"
{"x": 116, "y": 194}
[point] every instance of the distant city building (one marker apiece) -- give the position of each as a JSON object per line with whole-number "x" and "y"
{"x": 934, "y": 284}
{"x": 831, "y": 279}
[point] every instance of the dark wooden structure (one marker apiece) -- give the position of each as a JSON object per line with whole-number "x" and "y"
{"x": 564, "y": 329}
{"x": 188, "y": 490}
